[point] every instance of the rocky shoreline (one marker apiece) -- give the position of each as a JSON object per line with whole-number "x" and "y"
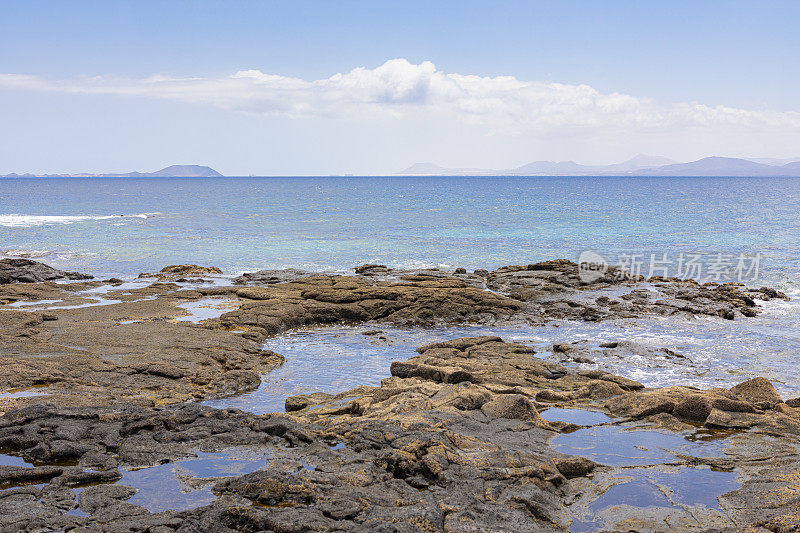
{"x": 466, "y": 435}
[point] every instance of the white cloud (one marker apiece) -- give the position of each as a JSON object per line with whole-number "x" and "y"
{"x": 399, "y": 88}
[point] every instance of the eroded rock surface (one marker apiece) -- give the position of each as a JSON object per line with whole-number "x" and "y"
{"x": 454, "y": 440}
{"x": 416, "y": 454}
{"x": 136, "y": 349}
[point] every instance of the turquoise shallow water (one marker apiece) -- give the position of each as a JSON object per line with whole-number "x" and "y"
{"x": 335, "y": 223}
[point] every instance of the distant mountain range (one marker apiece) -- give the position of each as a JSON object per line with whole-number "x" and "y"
{"x": 641, "y": 165}
{"x": 174, "y": 171}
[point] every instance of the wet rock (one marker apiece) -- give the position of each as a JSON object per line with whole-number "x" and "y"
{"x": 719, "y": 418}
{"x": 749, "y": 312}
{"x": 335, "y": 299}
{"x": 555, "y": 289}
{"x": 97, "y": 497}
{"x": 748, "y": 404}
{"x": 295, "y": 403}
{"x": 371, "y": 270}
{"x": 453, "y": 439}
{"x": 96, "y": 355}
{"x": 572, "y": 467}
{"x": 175, "y": 272}
{"x": 434, "y": 453}
{"x": 301, "y": 401}
{"x": 93, "y": 358}
{"x": 270, "y": 277}
{"x": 19, "y": 475}
{"x": 769, "y": 293}
{"x": 27, "y": 271}
{"x": 137, "y": 436}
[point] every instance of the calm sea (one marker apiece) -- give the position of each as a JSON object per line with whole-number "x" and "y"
{"x": 333, "y": 223}
{"x": 120, "y": 227}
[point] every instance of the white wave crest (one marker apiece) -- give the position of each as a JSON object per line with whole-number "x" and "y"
{"x": 29, "y": 221}
{"x": 27, "y": 254}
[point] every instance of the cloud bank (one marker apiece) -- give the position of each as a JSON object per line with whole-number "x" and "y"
{"x": 398, "y": 88}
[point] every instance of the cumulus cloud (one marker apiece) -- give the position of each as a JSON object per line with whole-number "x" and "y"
{"x": 398, "y": 88}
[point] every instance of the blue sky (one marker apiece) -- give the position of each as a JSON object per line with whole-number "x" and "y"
{"x": 117, "y": 86}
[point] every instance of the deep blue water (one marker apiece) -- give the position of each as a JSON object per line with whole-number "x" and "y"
{"x": 336, "y": 223}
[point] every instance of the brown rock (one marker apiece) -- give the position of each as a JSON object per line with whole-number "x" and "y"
{"x": 757, "y": 390}
{"x": 794, "y": 402}
{"x": 572, "y": 467}
{"x": 514, "y": 406}
{"x": 694, "y": 407}
{"x": 732, "y": 420}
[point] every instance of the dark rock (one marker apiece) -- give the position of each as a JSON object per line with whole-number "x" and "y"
{"x": 27, "y": 271}
{"x": 794, "y": 402}
{"x": 270, "y": 277}
{"x": 371, "y": 270}
{"x": 769, "y": 292}
{"x": 295, "y": 403}
{"x": 97, "y": 497}
{"x": 17, "y": 475}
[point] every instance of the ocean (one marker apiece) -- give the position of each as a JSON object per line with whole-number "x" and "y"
{"x": 121, "y": 226}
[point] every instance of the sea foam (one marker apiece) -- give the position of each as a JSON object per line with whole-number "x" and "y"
{"x": 29, "y": 221}
{"x": 26, "y": 254}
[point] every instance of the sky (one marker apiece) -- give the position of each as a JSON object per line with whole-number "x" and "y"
{"x": 317, "y": 88}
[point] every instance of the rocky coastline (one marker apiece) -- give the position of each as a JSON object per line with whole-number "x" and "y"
{"x": 102, "y": 378}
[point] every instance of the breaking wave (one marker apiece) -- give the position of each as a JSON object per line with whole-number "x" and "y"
{"x": 29, "y": 221}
